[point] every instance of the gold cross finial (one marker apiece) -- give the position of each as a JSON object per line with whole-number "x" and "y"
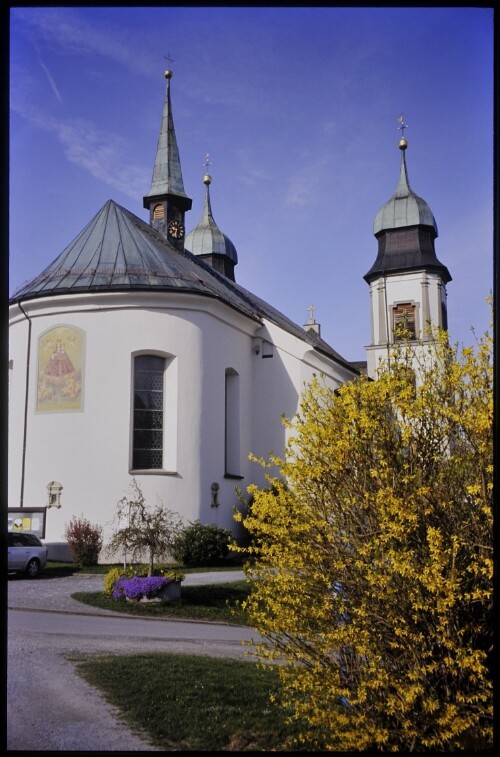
{"x": 402, "y": 125}
{"x": 207, "y": 161}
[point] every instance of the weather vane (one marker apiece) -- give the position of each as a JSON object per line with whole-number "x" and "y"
{"x": 402, "y": 126}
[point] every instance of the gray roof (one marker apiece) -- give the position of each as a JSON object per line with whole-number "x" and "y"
{"x": 117, "y": 251}
{"x": 207, "y": 238}
{"x": 404, "y": 208}
{"x": 167, "y": 173}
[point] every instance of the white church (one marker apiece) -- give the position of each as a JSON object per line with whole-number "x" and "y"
{"x": 136, "y": 354}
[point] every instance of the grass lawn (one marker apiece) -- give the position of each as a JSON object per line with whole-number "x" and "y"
{"x": 192, "y": 703}
{"x": 188, "y": 702}
{"x": 211, "y": 602}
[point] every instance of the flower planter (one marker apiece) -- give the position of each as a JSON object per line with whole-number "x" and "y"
{"x": 137, "y": 589}
{"x": 167, "y": 593}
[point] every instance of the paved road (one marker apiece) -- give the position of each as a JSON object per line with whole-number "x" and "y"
{"x": 50, "y": 708}
{"x": 54, "y": 593}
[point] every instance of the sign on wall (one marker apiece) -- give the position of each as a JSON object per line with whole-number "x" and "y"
{"x": 27, "y": 519}
{"x": 61, "y": 356}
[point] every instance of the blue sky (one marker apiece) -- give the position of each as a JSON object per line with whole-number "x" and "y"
{"x": 297, "y": 108}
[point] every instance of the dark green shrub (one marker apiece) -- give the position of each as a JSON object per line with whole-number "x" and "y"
{"x": 202, "y": 545}
{"x": 84, "y": 540}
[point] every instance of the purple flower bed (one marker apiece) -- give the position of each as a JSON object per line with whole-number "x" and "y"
{"x": 139, "y": 586}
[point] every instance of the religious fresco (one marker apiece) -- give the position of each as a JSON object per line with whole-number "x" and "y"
{"x": 61, "y": 355}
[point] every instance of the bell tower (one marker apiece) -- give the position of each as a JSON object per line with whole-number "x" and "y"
{"x": 166, "y": 200}
{"x": 407, "y": 281}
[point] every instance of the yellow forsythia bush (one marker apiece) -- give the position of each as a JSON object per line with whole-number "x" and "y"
{"x": 372, "y": 556}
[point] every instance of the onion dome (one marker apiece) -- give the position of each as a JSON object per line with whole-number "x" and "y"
{"x": 209, "y": 242}
{"x": 405, "y": 228}
{"x": 405, "y": 208}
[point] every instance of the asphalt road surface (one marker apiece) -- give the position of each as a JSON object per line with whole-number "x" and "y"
{"x": 49, "y": 707}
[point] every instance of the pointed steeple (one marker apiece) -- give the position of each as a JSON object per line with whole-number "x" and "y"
{"x": 209, "y": 242}
{"x": 166, "y": 200}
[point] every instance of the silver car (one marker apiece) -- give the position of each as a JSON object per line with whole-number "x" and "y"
{"x": 27, "y": 554}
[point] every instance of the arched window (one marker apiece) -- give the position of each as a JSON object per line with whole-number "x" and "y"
{"x": 158, "y": 212}
{"x": 232, "y": 421}
{"x": 147, "y": 443}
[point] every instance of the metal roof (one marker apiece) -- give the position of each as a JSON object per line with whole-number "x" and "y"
{"x": 404, "y": 208}
{"x": 167, "y": 173}
{"x": 405, "y": 229}
{"x": 207, "y": 238}
{"x": 117, "y": 251}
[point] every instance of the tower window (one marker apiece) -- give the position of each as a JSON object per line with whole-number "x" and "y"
{"x": 403, "y": 323}
{"x": 149, "y": 371}
{"x": 158, "y": 212}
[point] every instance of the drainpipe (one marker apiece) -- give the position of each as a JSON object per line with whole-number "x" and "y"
{"x": 26, "y": 395}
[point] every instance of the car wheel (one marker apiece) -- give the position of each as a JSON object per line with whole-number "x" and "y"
{"x": 33, "y": 568}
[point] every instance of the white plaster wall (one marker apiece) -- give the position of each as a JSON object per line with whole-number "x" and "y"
{"x": 89, "y": 451}
{"x": 279, "y": 382}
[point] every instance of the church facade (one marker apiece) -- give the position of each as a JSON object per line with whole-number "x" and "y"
{"x": 136, "y": 354}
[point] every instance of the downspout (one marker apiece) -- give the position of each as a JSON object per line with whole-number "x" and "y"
{"x": 26, "y": 395}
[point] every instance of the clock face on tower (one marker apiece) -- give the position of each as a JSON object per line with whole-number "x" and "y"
{"x": 176, "y": 229}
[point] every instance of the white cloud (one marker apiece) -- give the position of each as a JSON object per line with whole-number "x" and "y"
{"x": 306, "y": 183}
{"x": 67, "y": 30}
{"x": 51, "y": 80}
{"x": 103, "y": 155}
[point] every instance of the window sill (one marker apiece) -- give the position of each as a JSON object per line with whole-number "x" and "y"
{"x": 152, "y": 471}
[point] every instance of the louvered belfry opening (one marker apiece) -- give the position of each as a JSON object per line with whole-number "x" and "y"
{"x": 404, "y": 321}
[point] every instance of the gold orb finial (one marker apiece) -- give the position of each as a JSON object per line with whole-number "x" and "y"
{"x": 168, "y": 74}
{"x": 403, "y": 143}
{"x": 207, "y": 179}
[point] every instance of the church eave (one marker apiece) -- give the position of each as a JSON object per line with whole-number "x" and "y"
{"x": 183, "y": 202}
{"x": 378, "y": 270}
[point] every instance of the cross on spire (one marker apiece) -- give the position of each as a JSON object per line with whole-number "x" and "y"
{"x": 311, "y": 310}
{"x": 402, "y": 125}
{"x": 207, "y": 161}
{"x": 168, "y": 58}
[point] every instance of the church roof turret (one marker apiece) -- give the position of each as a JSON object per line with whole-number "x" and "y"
{"x": 167, "y": 173}
{"x": 209, "y": 242}
{"x": 166, "y": 200}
